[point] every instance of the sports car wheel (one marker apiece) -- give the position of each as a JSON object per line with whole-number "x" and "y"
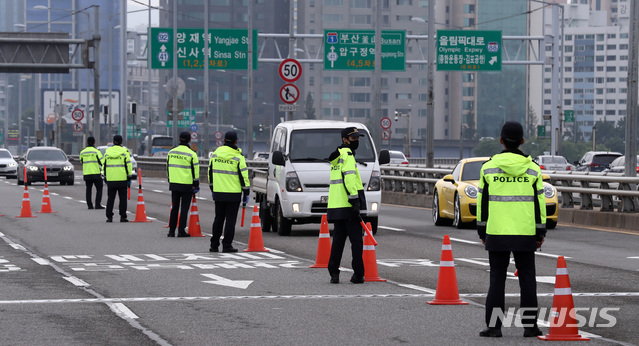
{"x": 437, "y": 219}
{"x": 457, "y": 220}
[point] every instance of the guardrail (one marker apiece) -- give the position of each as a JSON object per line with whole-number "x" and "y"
{"x": 612, "y": 190}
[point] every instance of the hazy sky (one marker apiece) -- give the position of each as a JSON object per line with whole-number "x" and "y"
{"x": 142, "y": 17}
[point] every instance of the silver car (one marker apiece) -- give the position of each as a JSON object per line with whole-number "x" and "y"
{"x": 8, "y": 166}
{"x": 553, "y": 163}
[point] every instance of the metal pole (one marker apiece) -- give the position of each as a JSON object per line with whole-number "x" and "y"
{"x": 430, "y": 109}
{"x": 175, "y": 76}
{"x": 110, "y": 78}
{"x": 377, "y": 72}
{"x": 249, "y": 130}
{"x": 217, "y": 106}
{"x": 38, "y": 108}
{"x": 123, "y": 72}
{"x": 96, "y": 73}
{"x": 19, "y": 116}
{"x": 149, "y": 94}
{"x": 554, "y": 99}
{"x": 632, "y": 104}
{"x": 207, "y": 56}
{"x": 6, "y": 113}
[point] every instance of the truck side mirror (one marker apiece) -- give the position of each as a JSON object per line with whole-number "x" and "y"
{"x": 384, "y": 157}
{"x": 278, "y": 158}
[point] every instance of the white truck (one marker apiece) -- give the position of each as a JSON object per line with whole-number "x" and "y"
{"x": 294, "y": 188}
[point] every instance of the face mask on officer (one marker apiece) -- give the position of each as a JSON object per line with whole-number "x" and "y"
{"x": 354, "y": 142}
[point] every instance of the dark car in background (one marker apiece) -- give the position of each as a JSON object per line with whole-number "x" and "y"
{"x": 37, "y": 158}
{"x": 618, "y": 165}
{"x": 596, "y": 161}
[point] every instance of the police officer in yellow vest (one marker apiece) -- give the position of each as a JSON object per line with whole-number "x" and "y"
{"x": 91, "y": 159}
{"x": 183, "y": 173}
{"x": 117, "y": 174}
{"x": 229, "y": 184}
{"x": 511, "y": 217}
{"x": 345, "y": 200}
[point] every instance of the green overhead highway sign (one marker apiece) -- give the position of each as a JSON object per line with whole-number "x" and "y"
{"x": 355, "y": 50}
{"x": 228, "y": 49}
{"x": 541, "y": 131}
{"x": 569, "y": 116}
{"x": 460, "y": 50}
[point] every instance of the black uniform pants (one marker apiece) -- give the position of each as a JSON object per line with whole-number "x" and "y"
{"x": 352, "y": 229}
{"x": 495, "y": 300}
{"x": 111, "y": 192}
{"x": 98, "y": 192}
{"x": 180, "y": 203}
{"x": 225, "y": 218}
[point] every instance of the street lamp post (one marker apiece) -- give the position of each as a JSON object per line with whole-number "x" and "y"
{"x": 409, "y": 128}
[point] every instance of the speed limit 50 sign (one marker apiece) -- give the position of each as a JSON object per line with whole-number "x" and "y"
{"x": 290, "y": 70}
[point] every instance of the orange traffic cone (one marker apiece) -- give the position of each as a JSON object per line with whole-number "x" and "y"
{"x": 140, "y": 212}
{"x": 46, "y": 202}
{"x": 178, "y": 220}
{"x": 256, "y": 244}
{"x": 563, "y": 325}
{"x": 25, "y": 211}
{"x": 370, "y": 260}
{"x": 447, "y": 292}
{"x": 194, "y": 220}
{"x": 323, "y": 246}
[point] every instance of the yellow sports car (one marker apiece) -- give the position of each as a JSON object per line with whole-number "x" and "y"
{"x": 455, "y": 196}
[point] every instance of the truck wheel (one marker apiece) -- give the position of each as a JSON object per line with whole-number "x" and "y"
{"x": 265, "y": 217}
{"x": 283, "y": 224}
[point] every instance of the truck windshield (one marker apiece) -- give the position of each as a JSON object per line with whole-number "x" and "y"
{"x": 317, "y": 144}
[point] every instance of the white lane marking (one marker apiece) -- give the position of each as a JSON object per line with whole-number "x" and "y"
{"x": 122, "y": 311}
{"x": 539, "y": 253}
{"x": 418, "y": 288}
{"x": 473, "y": 261}
{"x": 158, "y": 191}
{"x": 40, "y": 261}
{"x": 218, "y": 280}
{"x": 310, "y": 296}
{"x": 392, "y": 228}
{"x": 465, "y": 241}
{"x": 76, "y": 281}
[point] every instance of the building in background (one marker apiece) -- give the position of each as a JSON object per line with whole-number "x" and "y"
{"x": 74, "y": 17}
{"x": 595, "y": 64}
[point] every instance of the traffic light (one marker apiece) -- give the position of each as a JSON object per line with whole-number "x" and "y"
{"x": 106, "y": 110}
{"x": 133, "y": 107}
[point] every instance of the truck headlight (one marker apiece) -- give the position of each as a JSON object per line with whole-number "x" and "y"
{"x": 293, "y": 182}
{"x": 375, "y": 182}
{"x": 549, "y": 191}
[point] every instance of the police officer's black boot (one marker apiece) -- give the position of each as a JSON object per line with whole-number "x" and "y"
{"x": 182, "y": 234}
{"x": 171, "y": 233}
{"x": 491, "y": 332}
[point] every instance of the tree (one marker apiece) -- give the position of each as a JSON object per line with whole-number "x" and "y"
{"x": 309, "y": 109}
{"x": 488, "y": 147}
{"x": 469, "y": 131}
{"x": 531, "y": 122}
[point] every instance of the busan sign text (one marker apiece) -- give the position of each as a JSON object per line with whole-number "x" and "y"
{"x": 459, "y": 50}
{"x": 228, "y": 48}
{"x": 355, "y": 50}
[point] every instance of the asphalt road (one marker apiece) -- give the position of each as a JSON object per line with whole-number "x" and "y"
{"x": 70, "y": 278}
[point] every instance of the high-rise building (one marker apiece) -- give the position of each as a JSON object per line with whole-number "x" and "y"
{"x": 228, "y": 91}
{"x": 595, "y": 66}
